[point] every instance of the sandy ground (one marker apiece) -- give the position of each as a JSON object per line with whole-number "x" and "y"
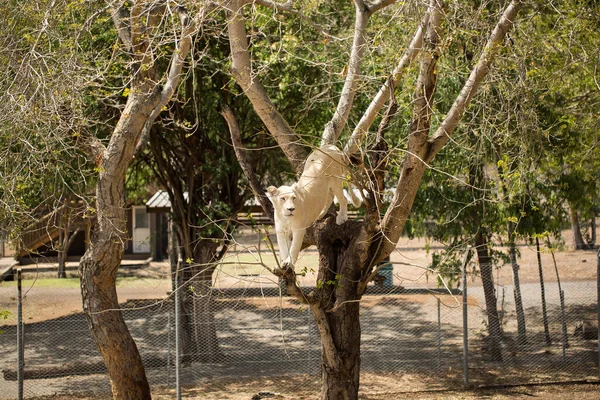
{"x": 410, "y": 270}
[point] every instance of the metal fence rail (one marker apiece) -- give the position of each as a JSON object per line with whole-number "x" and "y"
{"x": 404, "y": 334}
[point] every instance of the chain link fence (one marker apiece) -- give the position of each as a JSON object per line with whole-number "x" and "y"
{"x": 412, "y": 339}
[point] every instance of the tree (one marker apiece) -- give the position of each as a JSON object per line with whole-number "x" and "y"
{"x": 139, "y": 29}
{"x": 349, "y": 255}
{"x": 56, "y": 81}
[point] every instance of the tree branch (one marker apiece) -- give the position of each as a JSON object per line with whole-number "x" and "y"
{"x": 240, "y": 153}
{"x": 120, "y": 17}
{"x": 420, "y": 151}
{"x": 378, "y": 5}
{"x": 189, "y": 27}
{"x": 241, "y": 69}
{"x": 441, "y": 136}
{"x": 287, "y": 6}
{"x": 334, "y": 128}
{"x": 361, "y": 129}
{"x": 413, "y": 167}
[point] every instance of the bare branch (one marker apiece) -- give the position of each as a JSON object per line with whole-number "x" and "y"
{"x": 189, "y": 27}
{"x": 287, "y": 6}
{"x": 120, "y": 16}
{"x": 334, "y": 128}
{"x": 378, "y": 5}
{"x": 361, "y": 129}
{"x": 138, "y": 42}
{"x": 240, "y": 153}
{"x": 241, "y": 69}
{"x": 421, "y": 151}
{"x": 413, "y": 167}
{"x": 469, "y": 90}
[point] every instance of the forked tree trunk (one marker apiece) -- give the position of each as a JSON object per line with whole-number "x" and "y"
{"x": 348, "y": 262}
{"x": 341, "y": 379}
{"x": 491, "y": 302}
{"x": 67, "y": 238}
{"x": 337, "y": 306}
{"x": 578, "y": 242}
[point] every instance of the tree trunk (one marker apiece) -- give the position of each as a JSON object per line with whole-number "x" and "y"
{"x": 543, "y": 290}
{"x": 491, "y": 303}
{"x": 62, "y": 254}
{"x": 341, "y": 378}
{"x": 98, "y": 271}
{"x": 67, "y": 240}
{"x": 99, "y": 264}
{"x": 521, "y": 327}
{"x": 336, "y": 310}
{"x": 200, "y": 343}
{"x": 593, "y": 230}
{"x": 578, "y": 242}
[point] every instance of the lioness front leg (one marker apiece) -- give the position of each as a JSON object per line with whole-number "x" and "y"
{"x": 297, "y": 239}
{"x": 338, "y": 191}
{"x": 283, "y": 240}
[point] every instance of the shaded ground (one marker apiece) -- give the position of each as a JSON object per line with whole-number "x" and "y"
{"x": 287, "y": 389}
{"x": 267, "y": 342}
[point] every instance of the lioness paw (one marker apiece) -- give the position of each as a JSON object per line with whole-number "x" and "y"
{"x": 341, "y": 218}
{"x": 287, "y": 263}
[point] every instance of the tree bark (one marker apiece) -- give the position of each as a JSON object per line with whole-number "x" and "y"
{"x": 342, "y": 257}
{"x": 521, "y": 324}
{"x": 489, "y": 292}
{"x": 543, "y": 292}
{"x": 200, "y": 343}
{"x": 341, "y": 378}
{"x": 99, "y": 265}
{"x": 578, "y": 242}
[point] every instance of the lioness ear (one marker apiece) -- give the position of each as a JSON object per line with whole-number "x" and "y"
{"x": 272, "y": 192}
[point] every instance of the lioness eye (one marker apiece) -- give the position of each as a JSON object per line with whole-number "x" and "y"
{"x": 283, "y": 199}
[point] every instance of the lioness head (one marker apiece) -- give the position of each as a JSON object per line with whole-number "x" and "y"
{"x": 284, "y": 199}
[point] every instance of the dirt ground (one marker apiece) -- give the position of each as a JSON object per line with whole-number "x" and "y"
{"x": 410, "y": 261}
{"x": 280, "y": 391}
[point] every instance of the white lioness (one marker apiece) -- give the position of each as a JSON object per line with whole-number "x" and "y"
{"x": 298, "y": 206}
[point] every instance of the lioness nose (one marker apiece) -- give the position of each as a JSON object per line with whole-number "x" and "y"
{"x": 291, "y": 209}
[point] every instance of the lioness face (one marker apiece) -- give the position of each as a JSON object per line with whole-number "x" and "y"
{"x": 284, "y": 200}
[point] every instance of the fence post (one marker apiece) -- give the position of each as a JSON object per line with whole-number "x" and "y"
{"x": 465, "y": 321}
{"x": 169, "y": 348}
{"x": 439, "y": 333}
{"x": 565, "y": 339}
{"x": 177, "y": 339}
{"x": 20, "y": 344}
{"x": 598, "y": 305}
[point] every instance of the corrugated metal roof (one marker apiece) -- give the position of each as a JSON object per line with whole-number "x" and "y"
{"x": 161, "y": 200}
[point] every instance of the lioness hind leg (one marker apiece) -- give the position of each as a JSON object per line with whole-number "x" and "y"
{"x": 338, "y": 191}
{"x": 327, "y": 205}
